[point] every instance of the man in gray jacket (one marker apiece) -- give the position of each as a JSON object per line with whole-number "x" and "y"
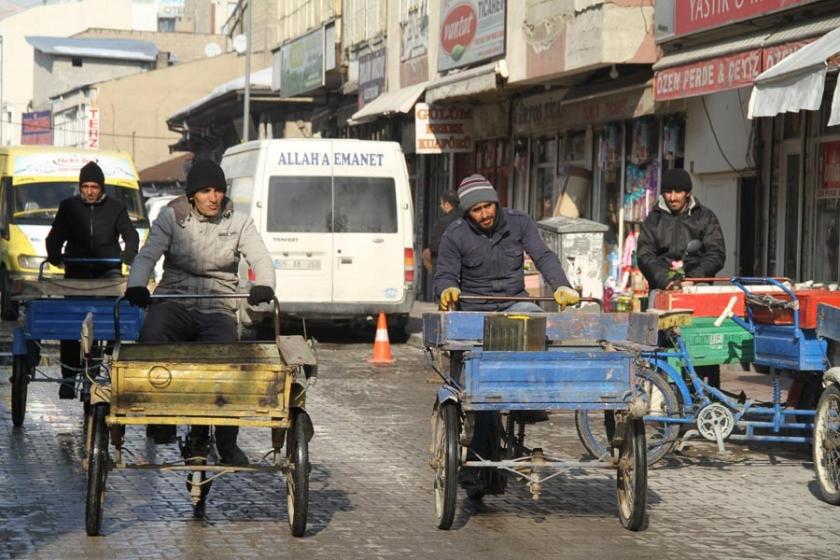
{"x": 202, "y": 240}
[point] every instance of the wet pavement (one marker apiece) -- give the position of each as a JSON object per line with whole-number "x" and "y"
{"x": 371, "y": 496}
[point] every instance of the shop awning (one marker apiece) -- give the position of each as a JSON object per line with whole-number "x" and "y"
{"x": 475, "y": 81}
{"x": 389, "y": 103}
{"x": 733, "y": 63}
{"x": 797, "y": 82}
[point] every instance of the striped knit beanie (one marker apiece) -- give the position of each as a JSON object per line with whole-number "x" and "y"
{"x": 475, "y": 189}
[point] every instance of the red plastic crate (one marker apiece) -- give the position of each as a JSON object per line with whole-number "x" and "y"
{"x": 808, "y": 300}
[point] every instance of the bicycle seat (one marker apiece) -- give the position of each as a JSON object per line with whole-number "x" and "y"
{"x": 671, "y": 318}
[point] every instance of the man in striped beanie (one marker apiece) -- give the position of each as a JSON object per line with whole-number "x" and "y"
{"x": 481, "y": 254}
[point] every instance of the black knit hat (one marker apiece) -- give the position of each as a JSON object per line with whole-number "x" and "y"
{"x": 205, "y": 173}
{"x": 676, "y": 180}
{"x": 91, "y": 173}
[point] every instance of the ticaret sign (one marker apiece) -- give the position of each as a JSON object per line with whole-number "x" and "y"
{"x": 470, "y": 31}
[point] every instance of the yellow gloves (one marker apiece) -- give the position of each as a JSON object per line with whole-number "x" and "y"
{"x": 564, "y": 296}
{"x": 449, "y": 296}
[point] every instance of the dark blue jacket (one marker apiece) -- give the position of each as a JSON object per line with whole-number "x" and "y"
{"x": 482, "y": 264}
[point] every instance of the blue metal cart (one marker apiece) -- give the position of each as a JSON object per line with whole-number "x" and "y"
{"x": 582, "y": 361}
{"x": 55, "y": 308}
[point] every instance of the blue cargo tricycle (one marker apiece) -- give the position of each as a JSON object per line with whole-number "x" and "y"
{"x": 508, "y": 370}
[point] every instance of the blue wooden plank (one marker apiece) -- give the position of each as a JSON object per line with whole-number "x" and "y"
{"x": 61, "y": 318}
{"x": 776, "y": 346}
{"x": 464, "y": 326}
{"x": 559, "y": 379}
{"x": 828, "y": 321}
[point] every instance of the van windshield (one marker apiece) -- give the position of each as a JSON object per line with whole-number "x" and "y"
{"x": 305, "y": 205}
{"x": 37, "y": 203}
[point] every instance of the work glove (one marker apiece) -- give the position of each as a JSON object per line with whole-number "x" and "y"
{"x": 260, "y": 294}
{"x": 449, "y": 296}
{"x": 55, "y": 260}
{"x": 566, "y": 296}
{"x": 138, "y": 296}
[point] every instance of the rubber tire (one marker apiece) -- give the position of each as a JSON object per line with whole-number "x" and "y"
{"x": 447, "y": 450}
{"x": 97, "y": 471}
{"x": 297, "y": 479}
{"x": 631, "y": 477}
{"x": 827, "y": 479}
{"x": 599, "y": 447}
{"x": 8, "y": 308}
{"x": 20, "y": 384}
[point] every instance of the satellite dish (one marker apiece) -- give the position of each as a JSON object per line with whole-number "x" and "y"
{"x": 240, "y": 43}
{"x": 212, "y": 49}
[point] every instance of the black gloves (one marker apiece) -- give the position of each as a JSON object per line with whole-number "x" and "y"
{"x": 55, "y": 260}
{"x": 259, "y": 294}
{"x": 138, "y": 296}
{"x": 127, "y": 257}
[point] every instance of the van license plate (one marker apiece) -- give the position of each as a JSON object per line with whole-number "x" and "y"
{"x": 297, "y": 264}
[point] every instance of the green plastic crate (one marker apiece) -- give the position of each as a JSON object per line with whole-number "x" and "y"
{"x": 709, "y": 345}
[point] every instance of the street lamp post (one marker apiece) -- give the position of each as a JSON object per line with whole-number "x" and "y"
{"x": 246, "y": 118}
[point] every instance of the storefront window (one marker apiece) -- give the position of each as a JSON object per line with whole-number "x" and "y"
{"x": 826, "y": 266}
{"x": 642, "y": 171}
{"x": 608, "y": 178}
{"x": 491, "y": 161}
{"x": 544, "y": 168}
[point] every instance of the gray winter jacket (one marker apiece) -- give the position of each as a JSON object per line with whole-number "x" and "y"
{"x": 201, "y": 255}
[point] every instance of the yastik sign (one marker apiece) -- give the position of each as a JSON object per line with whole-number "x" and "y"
{"x": 691, "y": 16}
{"x": 707, "y": 76}
{"x": 371, "y": 77}
{"x": 470, "y": 31}
{"x": 302, "y": 64}
{"x": 442, "y": 129}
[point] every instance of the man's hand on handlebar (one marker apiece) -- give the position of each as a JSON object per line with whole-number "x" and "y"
{"x": 448, "y": 297}
{"x": 138, "y": 296}
{"x": 566, "y": 296}
{"x": 260, "y": 294}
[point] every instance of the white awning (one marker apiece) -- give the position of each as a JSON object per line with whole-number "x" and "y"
{"x": 475, "y": 81}
{"x": 399, "y": 101}
{"x": 797, "y": 82}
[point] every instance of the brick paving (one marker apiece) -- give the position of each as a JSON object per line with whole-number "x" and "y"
{"x": 371, "y": 490}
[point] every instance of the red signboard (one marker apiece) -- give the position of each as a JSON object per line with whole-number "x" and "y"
{"x": 691, "y": 16}
{"x": 774, "y": 55}
{"x": 36, "y": 128}
{"x": 707, "y": 76}
{"x": 830, "y": 184}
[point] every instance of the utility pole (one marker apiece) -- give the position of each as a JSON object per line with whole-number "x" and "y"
{"x": 2, "y": 84}
{"x": 246, "y": 117}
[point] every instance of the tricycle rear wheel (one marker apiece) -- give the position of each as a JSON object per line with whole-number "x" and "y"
{"x": 97, "y": 470}
{"x": 631, "y": 477}
{"x": 20, "y": 383}
{"x": 826, "y": 447}
{"x": 297, "y": 479}
{"x": 446, "y": 459}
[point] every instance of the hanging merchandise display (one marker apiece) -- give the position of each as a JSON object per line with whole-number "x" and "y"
{"x": 672, "y": 139}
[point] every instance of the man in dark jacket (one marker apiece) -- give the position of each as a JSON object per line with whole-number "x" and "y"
{"x": 481, "y": 254}
{"x": 449, "y": 207}
{"x": 90, "y": 224}
{"x": 677, "y": 219}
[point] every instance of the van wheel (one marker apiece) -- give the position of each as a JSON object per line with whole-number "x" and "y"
{"x": 8, "y": 308}
{"x": 398, "y": 328}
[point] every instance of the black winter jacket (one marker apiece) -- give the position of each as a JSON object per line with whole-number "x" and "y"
{"x": 91, "y": 231}
{"x": 665, "y": 236}
{"x": 491, "y": 265}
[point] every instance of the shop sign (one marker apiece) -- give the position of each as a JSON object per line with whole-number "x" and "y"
{"x": 830, "y": 184}
{"x": 470, "y": 31}
{"x": 371, "y": 77}
{"x": 551, "y": 111}
{"x": 36, "y": 128}
{"x": 775, "y": 54}
{"x": 707, "y": 76}
{"x": 443, "y": 129}
{"x": 92, "y": 128}
{"x": 302, "y": 64}
{"x": 414, "y": 22}
{"x": 691, "y": 16}
{"x": 171, "y": 8}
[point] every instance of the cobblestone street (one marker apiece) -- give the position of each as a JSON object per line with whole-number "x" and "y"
{"x": 371, "y": 493}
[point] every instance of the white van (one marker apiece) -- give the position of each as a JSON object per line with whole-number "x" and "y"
{"x": 336, "y": 216}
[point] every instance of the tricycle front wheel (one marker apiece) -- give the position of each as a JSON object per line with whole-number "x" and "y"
{"x": 20, "y": 383}
{"x": 445, "y": 463}
{"x": 297, "y": 479}
{"x": 97, "y": 470}
{"x": 632, "y": 476}
{"x": 827, "y": 444}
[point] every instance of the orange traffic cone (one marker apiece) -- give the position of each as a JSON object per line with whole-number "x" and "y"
{"x": 381, "y": 345}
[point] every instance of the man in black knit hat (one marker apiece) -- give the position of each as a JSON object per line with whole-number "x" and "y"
{"x": 202, "y": 240}
{"x": 88, "y": 226}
